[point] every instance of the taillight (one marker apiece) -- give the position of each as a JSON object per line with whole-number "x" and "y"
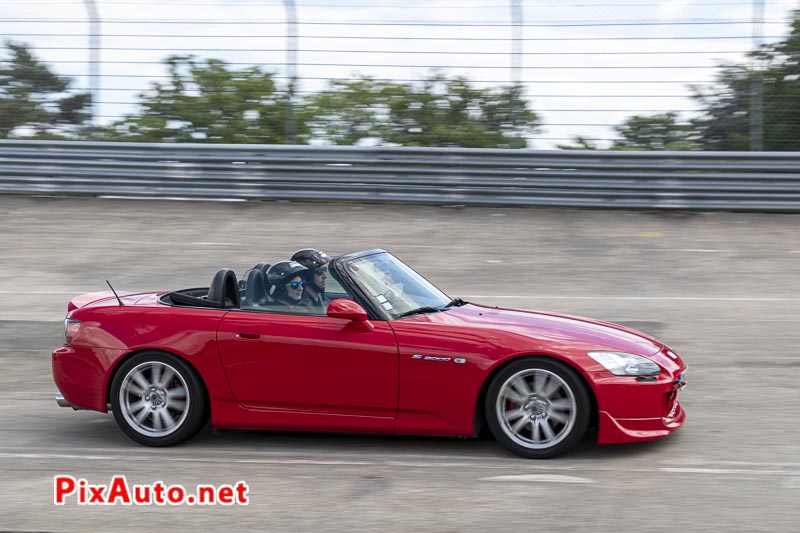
{"x": 71, "y": 328}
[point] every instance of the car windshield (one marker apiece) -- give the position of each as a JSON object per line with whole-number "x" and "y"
{"x": 395, "y": 286}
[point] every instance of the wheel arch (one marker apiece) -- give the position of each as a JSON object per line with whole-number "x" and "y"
{"x": 480, "y": 414}
{"x": 113, "y": 374}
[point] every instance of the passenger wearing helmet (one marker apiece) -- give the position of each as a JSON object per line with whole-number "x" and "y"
{"x": 316, "y": 261}
{"x": 286, "y": 280}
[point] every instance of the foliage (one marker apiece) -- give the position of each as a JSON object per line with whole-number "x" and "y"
{"x": 33, "y": 98}
{"x": 646, "y": 132}
{"x": 654, "y": 132}
{"x": 349, "y": 111}
{"x": 439, "y": 111}
{"x": 725, "y": 123}
{"x": 580, "y": 143}
{"x": 208, "y": 102}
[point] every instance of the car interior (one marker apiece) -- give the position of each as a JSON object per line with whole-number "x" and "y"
{"x": 251, "y": 292}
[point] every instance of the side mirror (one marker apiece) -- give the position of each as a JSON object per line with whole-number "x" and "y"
{"x": 347, "y": 309}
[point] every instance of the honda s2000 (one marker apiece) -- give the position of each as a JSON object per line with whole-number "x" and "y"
{"x": 391, "y": 354}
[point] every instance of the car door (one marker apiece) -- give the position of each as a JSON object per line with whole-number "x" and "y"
{"x": 311, "y": 371}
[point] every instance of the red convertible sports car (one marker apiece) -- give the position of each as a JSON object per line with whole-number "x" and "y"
{"x": 391, "y": 354}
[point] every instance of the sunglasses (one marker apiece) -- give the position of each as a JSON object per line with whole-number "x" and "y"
{"x": 296, "y": 284}
{"x": 321, "y": 271}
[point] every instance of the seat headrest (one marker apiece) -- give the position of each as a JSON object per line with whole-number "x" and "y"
{"x": 224, "y": 289}
{"x": 255, "y": 288}
{"x": 263, "y": 267}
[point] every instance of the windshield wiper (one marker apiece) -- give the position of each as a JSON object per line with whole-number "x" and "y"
{"x": 420, "y": 310}
{"x": 455, "y": 302}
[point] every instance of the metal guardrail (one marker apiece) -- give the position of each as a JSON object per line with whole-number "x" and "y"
{"x": 750, "y": 181}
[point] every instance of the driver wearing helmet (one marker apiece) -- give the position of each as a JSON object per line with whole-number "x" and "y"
{"x": 286, "y": 278}
{"x": 316, "y": 261}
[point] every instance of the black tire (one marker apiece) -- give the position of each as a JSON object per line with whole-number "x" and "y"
{"x": 564, "y": 413}
{"x": 171, "y": 409}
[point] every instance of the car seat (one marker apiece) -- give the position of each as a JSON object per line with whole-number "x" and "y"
{"x": 255, "y": 293}
{"x": 224, "y": 290}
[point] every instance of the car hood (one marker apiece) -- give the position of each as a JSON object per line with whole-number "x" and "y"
{"x": 552, "y": 328}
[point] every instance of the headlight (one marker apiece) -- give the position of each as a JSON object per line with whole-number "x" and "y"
{"x": 626, "y": 364}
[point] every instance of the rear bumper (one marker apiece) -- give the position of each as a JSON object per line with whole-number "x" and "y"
{"x": 80, "y": 374}
{"x": 62, "y": 402}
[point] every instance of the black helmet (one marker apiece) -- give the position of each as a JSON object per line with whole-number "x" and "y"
{"x": 311, "y": 257}
{"x": 278, "y": 273}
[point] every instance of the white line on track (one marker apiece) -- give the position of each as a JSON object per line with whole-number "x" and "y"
{"x": 702, "y": 319}
{"x": 541, "y": 478}
{"x": 45, "y": 292}
{"x": 172, "y": 198}
{"x": 734, "y": 471}
{"x": 181, "y": 459}
{"x": 517, "y": 466}
{"x": 701, "y": 251}
{"x": 632, "y": 298}
{"x": 689, "y": 462}
{"x": 748, "y": 463}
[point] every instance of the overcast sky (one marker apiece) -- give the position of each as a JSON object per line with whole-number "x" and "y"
{"x": 587, "y": 64}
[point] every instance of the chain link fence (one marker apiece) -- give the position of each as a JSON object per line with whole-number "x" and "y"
{"x": 620, "y": 74}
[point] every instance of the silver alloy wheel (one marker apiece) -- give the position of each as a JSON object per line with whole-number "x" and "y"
{"x": 536, "y": 408}
{"x": 154, "y": 399}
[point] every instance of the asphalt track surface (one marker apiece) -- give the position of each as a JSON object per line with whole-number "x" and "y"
{"x": 722, "y": 289}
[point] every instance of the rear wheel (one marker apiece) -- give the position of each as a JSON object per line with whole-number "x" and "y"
{"x": 157, "y": 399}
{"x": 538, "y": 408}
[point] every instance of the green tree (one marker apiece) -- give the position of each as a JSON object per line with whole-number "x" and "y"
{"x": 209, "y": 102}
{"x": 725, "y": 122}
{"x": 349, "y": 111}
{"x": 645, "y": 132}
{"x": 655, "y": 132}
{"x": 34, "y": 98}
{"x": 439, "y": 111}
{"x": 579, "y": 142}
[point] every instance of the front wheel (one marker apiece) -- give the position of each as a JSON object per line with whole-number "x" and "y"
{"x": 157, "y": 399}
{"x": 538, "y": 408}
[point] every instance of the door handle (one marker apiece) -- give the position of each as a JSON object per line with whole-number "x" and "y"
{"x": 247, "y": 336}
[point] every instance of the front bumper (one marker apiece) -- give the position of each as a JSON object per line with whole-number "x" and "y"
{"x": 620, "y": 430}
{"x": 631, "y": 411}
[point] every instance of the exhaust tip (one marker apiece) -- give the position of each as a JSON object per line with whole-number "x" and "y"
{"x": 61, "y": 401}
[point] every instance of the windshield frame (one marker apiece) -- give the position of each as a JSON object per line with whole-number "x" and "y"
{"x": 356, "y": 286}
